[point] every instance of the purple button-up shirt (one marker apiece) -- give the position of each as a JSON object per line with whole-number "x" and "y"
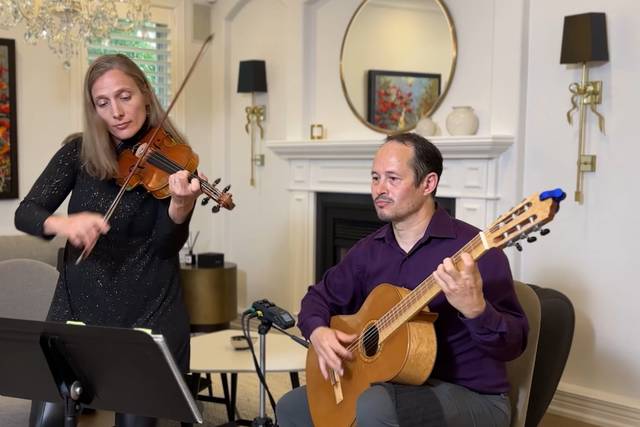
{"x": 471, "y": 352}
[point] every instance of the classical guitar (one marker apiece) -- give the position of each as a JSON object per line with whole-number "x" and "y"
{"x": 396, "y": 337}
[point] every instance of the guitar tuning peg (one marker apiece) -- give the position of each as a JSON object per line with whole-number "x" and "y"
{"x": 227, "y": 188}
{"x": 531, "y": 239}
{"x": 216, "y": 182}
{"x": 205, "y": 201}
{"x": 518, "y": 247}
{"x": 215, "y": 209}
{"x": 545, "y": 231}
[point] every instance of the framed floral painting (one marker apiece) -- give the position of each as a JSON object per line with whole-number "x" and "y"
{"x": 8, "y": 125}
{"x": 397, "y": 99}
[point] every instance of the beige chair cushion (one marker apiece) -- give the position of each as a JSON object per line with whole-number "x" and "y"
{"x": 520, "y": 370}
{"x": 25, "y": 246}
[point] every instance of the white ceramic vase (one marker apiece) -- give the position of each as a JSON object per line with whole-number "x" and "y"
{"x": 426, "y": 127}
{"x": 462, "y": 121}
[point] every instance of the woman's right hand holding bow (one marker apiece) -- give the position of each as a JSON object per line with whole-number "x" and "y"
{"x": 81, "y": 229}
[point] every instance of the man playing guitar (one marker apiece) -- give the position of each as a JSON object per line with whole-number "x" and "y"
{"x": 480, "y": 323}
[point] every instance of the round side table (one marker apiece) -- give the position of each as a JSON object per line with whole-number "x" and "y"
{"x": 210, "y": 295}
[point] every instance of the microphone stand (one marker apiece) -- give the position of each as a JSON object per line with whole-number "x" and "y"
{"x": 265, "y": 325}
{"x": 262, "y": 420}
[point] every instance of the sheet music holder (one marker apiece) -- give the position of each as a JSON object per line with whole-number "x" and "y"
{"x": 122, "y": 370}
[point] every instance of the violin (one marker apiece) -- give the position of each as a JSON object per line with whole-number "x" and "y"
{"x": 162, "y": 156}
{"x": 166, "y": 155}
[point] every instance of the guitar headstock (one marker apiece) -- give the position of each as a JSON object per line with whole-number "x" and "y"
{"x": 527, "y": 217}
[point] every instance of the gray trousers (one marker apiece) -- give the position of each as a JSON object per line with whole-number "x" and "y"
{"x": 461, "y": 407}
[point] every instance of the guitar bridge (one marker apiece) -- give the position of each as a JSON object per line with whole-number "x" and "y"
{"x": 337, "y": 387}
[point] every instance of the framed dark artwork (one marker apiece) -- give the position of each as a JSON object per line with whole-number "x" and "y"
{"x": 397, "y": 99}
{"x": 8, "y": 121}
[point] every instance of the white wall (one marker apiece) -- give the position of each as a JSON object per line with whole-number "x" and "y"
{"x": 508, "y": 70}
{"x": 255, "y": 233}
{"x": 300, "y": 41}
{"x": 48, "y": 103}
{"x": 589, "y": 254}
{"x": 43, "y": 104}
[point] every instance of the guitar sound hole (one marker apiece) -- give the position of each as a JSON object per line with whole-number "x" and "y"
{"x": 370, "y": 341}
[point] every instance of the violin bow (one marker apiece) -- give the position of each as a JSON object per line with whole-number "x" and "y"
{"x": 116, "y": 201}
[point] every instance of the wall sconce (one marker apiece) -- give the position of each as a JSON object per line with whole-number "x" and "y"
{"x": 252, "y": 78}
{"x": 584, "y": 39}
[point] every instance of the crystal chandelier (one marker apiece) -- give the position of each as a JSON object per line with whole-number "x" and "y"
{"x": 68, "y": 24}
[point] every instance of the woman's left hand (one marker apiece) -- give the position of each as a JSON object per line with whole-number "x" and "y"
{"x": 183, "y": 194}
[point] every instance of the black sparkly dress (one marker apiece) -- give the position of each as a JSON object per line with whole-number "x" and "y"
{"x": 131, "y": 278}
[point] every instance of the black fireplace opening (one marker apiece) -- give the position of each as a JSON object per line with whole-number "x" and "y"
{"x": 342, "y": 219}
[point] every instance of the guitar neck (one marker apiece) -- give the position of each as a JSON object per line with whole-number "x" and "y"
{"x": 426, "y": 291}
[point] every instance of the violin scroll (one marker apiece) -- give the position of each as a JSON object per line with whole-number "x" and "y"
{"x": 222, "y": 198}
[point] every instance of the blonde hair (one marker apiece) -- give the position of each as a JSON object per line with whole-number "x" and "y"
{"x": 97, "y": 155}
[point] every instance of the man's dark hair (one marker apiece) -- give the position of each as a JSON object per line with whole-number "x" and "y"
{"x": 427, "y": 158}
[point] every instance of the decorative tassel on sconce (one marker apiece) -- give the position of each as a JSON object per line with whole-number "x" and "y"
{"x": 584, "y": 39}
{"x": 252, "y": 78}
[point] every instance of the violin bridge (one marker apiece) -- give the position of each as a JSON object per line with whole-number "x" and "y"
{"x": 337, "y": 387}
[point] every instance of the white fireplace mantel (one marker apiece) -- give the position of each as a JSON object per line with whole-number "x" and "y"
{"x": 470, "y": 175}
{"x": 451, "y": 147}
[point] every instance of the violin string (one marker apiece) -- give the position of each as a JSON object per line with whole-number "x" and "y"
{"x": 168, "y": 165}
{"x": 176, "y": 167}
{"x": 118, "y": 197}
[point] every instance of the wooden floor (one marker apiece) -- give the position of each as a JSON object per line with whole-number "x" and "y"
{"x": 552, "y": 420}
{"x": 105, "y": 419}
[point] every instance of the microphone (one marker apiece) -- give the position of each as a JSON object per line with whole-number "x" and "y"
{"x": 265, "y": 309}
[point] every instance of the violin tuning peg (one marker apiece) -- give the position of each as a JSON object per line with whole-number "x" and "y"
{"x": 545, "y": 231}
{"x": 518, "y": 247}
{"x": 227, "y": 188}
{"x": 531, "y": 239}
{"x": 205, "y": 201}
{"x": 215, "y": 209}
{"x": 216, "y": 182}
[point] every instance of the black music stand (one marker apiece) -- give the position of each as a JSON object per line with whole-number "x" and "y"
{"x": 115, "y": 369}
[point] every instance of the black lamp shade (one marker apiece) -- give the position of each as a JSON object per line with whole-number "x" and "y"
{"x": 252, "y": 76}
{"x": 584, "y": 38}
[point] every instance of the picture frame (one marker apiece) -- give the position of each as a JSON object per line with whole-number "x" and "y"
{"x": 8, "y": 121}
{"x": 398, "y": 99}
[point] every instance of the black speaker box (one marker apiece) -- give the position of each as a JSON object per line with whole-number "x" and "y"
{"x": 210, "y": 260}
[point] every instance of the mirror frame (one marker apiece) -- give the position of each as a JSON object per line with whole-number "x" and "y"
{"x": 454, "y": 56}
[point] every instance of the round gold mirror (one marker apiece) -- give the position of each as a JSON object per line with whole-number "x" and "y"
{"x": 397, "y": 62}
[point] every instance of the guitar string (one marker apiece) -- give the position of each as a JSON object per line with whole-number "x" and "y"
{"x": 410, "y": 300}
{"x": 421, "y": 290}
{"x": 415, "y": 296}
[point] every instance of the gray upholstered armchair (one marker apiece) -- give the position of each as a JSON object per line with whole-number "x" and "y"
{"x": 535, "y": 375}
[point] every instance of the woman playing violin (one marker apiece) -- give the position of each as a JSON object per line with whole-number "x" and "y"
{"x": 131, "y": 276}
